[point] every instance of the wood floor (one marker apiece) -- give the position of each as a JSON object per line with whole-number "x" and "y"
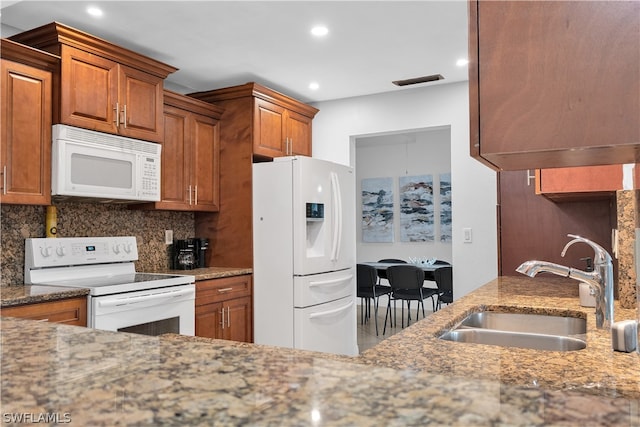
{"x": 367, "y": 337}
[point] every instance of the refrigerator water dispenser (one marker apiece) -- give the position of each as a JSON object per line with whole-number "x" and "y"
{"x": 315, "y": 226}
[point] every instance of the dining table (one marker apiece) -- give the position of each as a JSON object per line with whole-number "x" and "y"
{"x": 426, "y": 267}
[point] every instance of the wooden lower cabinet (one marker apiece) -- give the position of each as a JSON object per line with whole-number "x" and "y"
{"x": 71, "y": 311}
{"x": 224, "y": 308}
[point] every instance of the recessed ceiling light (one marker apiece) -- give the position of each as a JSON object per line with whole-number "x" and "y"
{"x": 94, "y": 11}
{"x": 314, "y": 86}
{"x": 462, "y": 62}
{"x": 319, "y": 31}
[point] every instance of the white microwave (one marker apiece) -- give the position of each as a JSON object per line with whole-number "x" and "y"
{"x": 96, "y": 165}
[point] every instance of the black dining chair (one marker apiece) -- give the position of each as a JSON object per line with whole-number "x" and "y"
{"x": 407, "y": 285}
{"x": 444, "y": 280}
{"x": 382, "y": 274}
{"x": 368, "y": 289}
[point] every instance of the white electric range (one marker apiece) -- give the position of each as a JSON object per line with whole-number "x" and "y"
{"x": 120, "y": 299}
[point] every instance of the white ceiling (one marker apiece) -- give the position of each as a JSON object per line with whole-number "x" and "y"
{"x": 222, "y": 43}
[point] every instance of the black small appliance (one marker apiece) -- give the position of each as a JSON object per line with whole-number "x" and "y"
{"x": 201, "y": 246}
{"x": 184, "y": 254}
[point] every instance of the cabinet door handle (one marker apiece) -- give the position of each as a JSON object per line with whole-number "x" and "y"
{"x": 196, "y": 194}
{"x": 189, "y": 190}
{"x": 222, "y": 316}
{"x": 224, "y": 290}
{"x": 117, "y": 115}
{"x": 4, "y": 179}
{"x": 124, "y": 116}
{"x": 228, "y": 317}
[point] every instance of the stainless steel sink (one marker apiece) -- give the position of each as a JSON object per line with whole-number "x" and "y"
{"x": 528, "y": 323}
{"x": 523, "y": 330}
{"x": 515, "y": 339}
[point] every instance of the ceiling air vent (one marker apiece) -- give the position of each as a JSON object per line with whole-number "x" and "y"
{"x": 416, "y": 80}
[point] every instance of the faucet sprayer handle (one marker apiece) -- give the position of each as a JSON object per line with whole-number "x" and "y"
{"x": 602, "y": 256}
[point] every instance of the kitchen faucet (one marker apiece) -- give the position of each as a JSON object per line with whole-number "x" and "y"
{"x": 600, "y": 280}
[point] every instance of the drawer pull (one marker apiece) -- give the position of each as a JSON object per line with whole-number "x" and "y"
{"x": 225, "y": 290}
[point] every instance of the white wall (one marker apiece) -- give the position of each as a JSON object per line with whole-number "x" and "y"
{"x": 340, "y": 122}
{"x": 421, "y": 152}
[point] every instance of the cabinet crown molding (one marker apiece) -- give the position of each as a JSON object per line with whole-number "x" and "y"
{"x": 256, "y": 90}
{"x": 185, "y": 102}
{"x": 49, "y": 37}
{"x": 17, "y": 52}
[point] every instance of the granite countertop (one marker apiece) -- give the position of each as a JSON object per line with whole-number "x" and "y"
{"x": 102, "y": 378}
{"x": 210, "y": 272}
{"x": 31, "y": 294}
{"x": 107, "y": 378}
{"x": 595, "y": 370}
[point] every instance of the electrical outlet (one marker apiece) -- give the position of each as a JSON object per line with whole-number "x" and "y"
{"x": 168, "y": 237}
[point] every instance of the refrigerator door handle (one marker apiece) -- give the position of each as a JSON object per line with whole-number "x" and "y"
{"x": 337, "y": 216}
{"x": 331, "y": 312}
{"x": 333, "y": 282}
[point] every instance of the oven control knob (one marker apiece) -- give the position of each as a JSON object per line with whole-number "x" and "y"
{"x": 46, "y": 251}
{"x": 116, "y": 249}
{"x": 61, "y": 251}
{"x": 127, "y": 247}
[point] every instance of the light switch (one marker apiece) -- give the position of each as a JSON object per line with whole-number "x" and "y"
{"x": 168, "y": 237}
{"x": 467, "y": 235}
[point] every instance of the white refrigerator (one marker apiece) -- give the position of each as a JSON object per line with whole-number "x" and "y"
{"x": 304, "y": 255}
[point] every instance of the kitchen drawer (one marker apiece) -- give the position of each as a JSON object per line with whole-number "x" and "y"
{"x": 216, "y": 290}
{"x": 72, "y": 311}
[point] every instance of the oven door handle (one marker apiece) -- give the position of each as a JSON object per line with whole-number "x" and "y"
{"x": 113, "y": 302}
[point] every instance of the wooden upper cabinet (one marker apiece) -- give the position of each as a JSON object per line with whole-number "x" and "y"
{"x": 281, "y": 125}
{"x": 103, "y": 86}
{"x": 554, "y": 84}
{"x": 299, "y": 132}
{"x": 190, "y": 156}
{"x": 270, "y": 131}
{"x": 25, "y": 124}
{"x": 585, "y": 182}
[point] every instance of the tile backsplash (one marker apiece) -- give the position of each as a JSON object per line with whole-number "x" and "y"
{"x": 90, "y": 219}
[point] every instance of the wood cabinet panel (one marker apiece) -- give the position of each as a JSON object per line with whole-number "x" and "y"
{"x": 554, "y": 83}
{"x": 534, "y": 227}
{"x": 586, "y": 182}
{"x": 209, "y": 321}
{"x": 299, "y": 134}
{"x": 224, "y": 308}
{"x": 140, "y": 100}
{"x": 89, "y": 91}
{"x": 206, "y": 158}
{"x": 269, "y": 139}
{"x": 25, "y": 146}
{"x": 176, "y": 159}
{"x": 72, "y": 311}
{"x": 238, "y": 326}
{"x": 190, "y": 156}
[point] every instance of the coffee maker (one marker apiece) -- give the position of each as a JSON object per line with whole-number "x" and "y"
{"x": 188, "y": 254}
